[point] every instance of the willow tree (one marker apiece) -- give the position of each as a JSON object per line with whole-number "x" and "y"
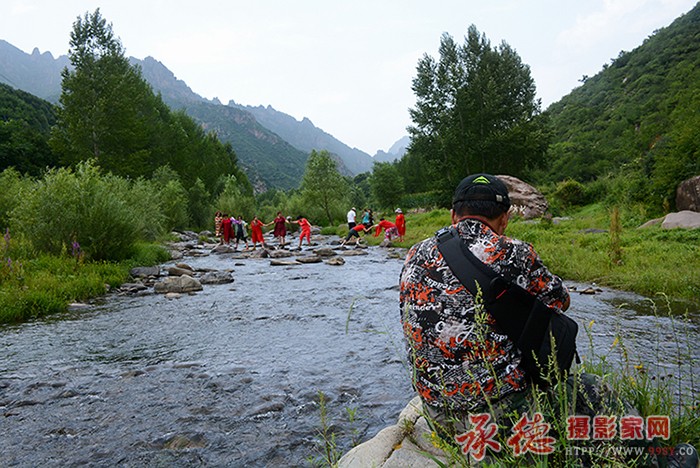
{"x": 475, "y": 111}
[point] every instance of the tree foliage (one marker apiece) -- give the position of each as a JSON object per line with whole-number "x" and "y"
{"x": 25, "y": 121}
{"x": 386, "y": 185}
{"x": 109, "y": 113}
{"x": 475, "y": 112}
{"x": 323, "y": 186}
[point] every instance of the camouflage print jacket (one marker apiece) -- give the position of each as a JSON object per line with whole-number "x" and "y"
{"x": 459, "y": 358}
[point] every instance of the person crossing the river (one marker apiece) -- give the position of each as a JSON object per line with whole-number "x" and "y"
{"x": 355, "y": 231}
{"x": 305, "y": 226}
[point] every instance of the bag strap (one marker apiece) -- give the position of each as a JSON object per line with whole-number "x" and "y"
{"x": 529, "y": 336}
{"x": 471, "y": 273}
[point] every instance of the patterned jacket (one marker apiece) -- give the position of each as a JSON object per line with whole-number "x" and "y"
{"x": 457, "y": 354}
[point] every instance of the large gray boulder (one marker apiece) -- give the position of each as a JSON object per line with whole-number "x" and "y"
{"x": 525, "y": 199}
{"x": 222, "y": 249}
{"x": 309, "y": 259}
{"x": 684, "y": 219}
{"x": 178, "y": 284}
{"x": 688, "y": 195}
{"x": 216, "y": 277}
{"x": 141, "y": 272}
{"x": 324, "y": 252}
{"x": 336, "y": 261}
{"x": 179, "y": 271}
{"x": 280, "y": 254}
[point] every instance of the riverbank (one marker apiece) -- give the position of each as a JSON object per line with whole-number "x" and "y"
{"x": 36, "y": 285}
{"x": 582, "y": 247}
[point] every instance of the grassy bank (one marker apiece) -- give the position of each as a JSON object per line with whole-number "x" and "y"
{"x": 583, "y": 247}
{"x": 35, "y": 285}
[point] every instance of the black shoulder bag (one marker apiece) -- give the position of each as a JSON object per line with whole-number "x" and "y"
{"x": 526, "y": 320}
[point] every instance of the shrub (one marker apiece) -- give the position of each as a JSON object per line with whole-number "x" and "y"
{"x": 570, "y": 193}
{"x": 82, "y": 206}
{"x": 13, "y": 187}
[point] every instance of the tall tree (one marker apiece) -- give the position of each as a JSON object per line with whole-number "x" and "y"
{"x": 476, "y": 111}
{"x": 322, "y": 185}
{"x": 386, "y": 184}
{"x": 108, "y": 111}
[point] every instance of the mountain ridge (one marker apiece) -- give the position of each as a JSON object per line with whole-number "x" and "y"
{"x": 271, "y": 145}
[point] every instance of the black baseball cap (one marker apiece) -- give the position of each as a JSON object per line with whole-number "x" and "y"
{"x": 482, "y": 187}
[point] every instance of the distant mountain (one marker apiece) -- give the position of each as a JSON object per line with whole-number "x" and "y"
{"x": 304, "y": 135}
{"x": 269, "y": 160}
{"x": 38, "y": 74}
{"x": 396, "y": 151}
{"x": 270, "y": 145}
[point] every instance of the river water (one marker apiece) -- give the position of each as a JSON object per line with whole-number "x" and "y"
{"x": 230, "y": 376}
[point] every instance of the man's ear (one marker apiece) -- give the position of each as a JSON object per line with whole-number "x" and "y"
{"x": 453, "y": 216}
{"x": 503, "y": 222}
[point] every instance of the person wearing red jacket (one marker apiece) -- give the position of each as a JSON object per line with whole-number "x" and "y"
{"x": 355, "y": 232}
{"x": 256, "y": 233}
{"x": 226, "y": 230}
{"x": 390, "y": 230}
{"x": 400, "y": 224}
{"x": 305, "y": 226}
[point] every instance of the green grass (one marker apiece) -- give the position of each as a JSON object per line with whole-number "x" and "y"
{"x": 39, "y": 285}
{"x": 653, "y": 260}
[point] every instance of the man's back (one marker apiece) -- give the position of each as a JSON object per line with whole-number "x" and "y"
{"x": 458, "y": 355}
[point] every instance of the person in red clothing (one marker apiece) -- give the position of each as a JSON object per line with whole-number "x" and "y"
{"x": 390, "y": 230}
{"x": 305, "y": 226}
{"x": 355, "y": 232}
{"x": 226, "y": 230}
{"x": 400, "y": 224}
{"x": 280, "y": 231}
{"x": 256, "y": 233}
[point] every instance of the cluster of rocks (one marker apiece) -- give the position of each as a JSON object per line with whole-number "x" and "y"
{"x": 181, "y": 278}
{"x": 173, "y": 280}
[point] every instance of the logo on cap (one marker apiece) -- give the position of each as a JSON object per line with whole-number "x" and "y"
{"x": 481, "y": 180}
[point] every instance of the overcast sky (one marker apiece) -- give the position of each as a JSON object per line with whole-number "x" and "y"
{"x": 347, "y": 66}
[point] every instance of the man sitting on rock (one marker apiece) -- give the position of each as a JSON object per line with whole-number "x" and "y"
{"x": 462, "y": 363}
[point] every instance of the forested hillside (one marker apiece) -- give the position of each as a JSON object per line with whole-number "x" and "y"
{"x": 639, "y": 117}
{"x": 305, "y": 136}
{"x": 25, "y": 123}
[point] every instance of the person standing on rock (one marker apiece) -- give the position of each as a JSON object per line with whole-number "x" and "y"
{"x": 462, "y": 363}
{"x": 226, "y": 228}
{"x": 241, "y": 234}
{"x": 351, "y": 218}
{"x": 256, "y": 234}
{"x": 390, "y": 230}
{"x": 280, "y": 230}
{"x": 218, "y": 218}
{"x": 305, "y": 226}
{"x": 400, "y": 224}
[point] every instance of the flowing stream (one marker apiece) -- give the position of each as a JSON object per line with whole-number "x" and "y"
{"x": 230, "y": 376}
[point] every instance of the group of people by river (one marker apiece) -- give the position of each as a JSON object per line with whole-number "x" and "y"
{"x": 230, "y": 228}
{"x": 393, "y": 230}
